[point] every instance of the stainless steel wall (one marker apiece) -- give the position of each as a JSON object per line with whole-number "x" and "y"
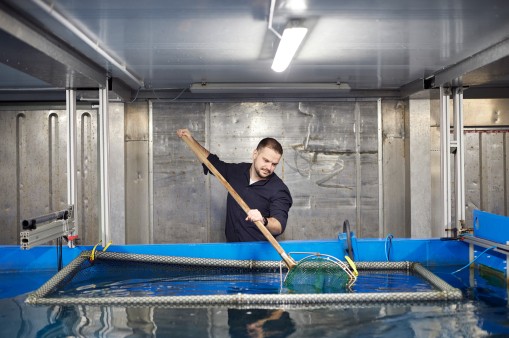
{"x": 160, "y": 195}
{"x": 33, "y": 172}
{"x": 330, "y": 164}
{"x": 137, "y": 220}
{"x": 33, "y": 168}
{"x": 486, "y": 154}
{"x": 395, "y": 203}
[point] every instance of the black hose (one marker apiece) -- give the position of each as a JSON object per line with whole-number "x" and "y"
{"x": 346, "y": 229}
{"x": 59, "y": 254}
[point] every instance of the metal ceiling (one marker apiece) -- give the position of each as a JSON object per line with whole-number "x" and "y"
{"x": 159, "y": 48}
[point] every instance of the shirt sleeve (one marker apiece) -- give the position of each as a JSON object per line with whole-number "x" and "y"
{"x": 217, "y": 163}
{"x": 280, "y": 206}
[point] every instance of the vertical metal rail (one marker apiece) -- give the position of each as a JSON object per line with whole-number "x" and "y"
{"x": 206, "y": 138}
{"x": 461, "y": 135}
{"x": 459, "y": 175}
{"x": 103, "y": 163}
{"x": 150, "y": 172}
{"x": 445, "y": 159}
{"x": 72, "y": 191}
{"x": 358, "y": 181}
{"x": 381, "y": 224}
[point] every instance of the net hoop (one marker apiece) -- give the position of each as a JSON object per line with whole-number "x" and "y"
{"x": 352, "y": 275}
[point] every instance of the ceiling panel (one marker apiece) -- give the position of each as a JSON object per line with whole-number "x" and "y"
{"x": 371, "y": 45}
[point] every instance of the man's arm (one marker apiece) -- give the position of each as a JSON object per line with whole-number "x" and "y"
{"x": 273, "y": 224}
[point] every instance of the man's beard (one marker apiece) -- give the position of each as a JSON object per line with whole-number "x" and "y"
{"x": 261, "y": 173}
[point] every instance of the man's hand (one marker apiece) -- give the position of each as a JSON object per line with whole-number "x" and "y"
{"x": 254, "y": 215}
{"x": 184, "y": 132}
{"x": 204, "y": 153}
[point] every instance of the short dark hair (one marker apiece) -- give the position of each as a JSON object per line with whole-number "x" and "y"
{"x": 271, "y": 143}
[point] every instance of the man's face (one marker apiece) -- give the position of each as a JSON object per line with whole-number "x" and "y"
{"x": 265, "y": 162}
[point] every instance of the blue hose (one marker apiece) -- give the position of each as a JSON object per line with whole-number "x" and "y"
{"x": 388, "y": 246}
{"x": 482, "y": 253}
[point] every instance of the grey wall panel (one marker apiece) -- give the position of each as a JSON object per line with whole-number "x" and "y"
{"x": 38, "y": 140}
{"x": 437, "y": 229}
{"x": 137, "y": 227}
{"x": 492, "y": 173}
{"x": 394, "y": 180}
{"x": 473, "y": 181}
{"x": 87, "y": 177}
{"x": 34, "y": 165}
{"x": 368, "y": 226}
{"x": 368, "y": 127}
{"x": 368, "y": 147}
{"x": 319, "y": 165}
{"x": 236, "y": 129}
{"x": 485, "y": 159}
{"x": 117, "y": 172}
{"x": 322, "y": 169}
{"x": 137, "y": 220}
{"x": 486, "y": 112}
{"x": 181, "y": 197}
{"x": 419, "y": 121}
{"x": 9, "y": 212}
{"x": 485, "y": 173}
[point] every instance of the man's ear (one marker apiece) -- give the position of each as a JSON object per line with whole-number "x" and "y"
{"x": 255, "y": 153}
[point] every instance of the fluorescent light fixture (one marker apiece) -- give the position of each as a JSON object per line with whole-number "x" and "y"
{"x": 279, "y": 87}
{"x": 290, "y": 41}
{"x": 296, "y": 5}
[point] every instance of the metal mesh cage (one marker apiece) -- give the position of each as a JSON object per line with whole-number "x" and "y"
{"x": 55, "y": 291}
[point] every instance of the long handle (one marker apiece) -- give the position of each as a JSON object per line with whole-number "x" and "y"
{"x": 193, "y": 144}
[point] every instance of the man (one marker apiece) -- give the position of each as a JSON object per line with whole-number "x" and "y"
{"x": 257, "y": 184}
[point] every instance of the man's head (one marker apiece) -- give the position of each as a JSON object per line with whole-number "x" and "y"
{"x": 266, "y": 157}
{"x": 271, "y": 143}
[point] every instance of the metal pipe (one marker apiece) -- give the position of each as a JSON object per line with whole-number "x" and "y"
{"x": 358, "y": 182}
{"x": 70, "y": 99}
{"x": 150, "y": 172}
{"x": 461, "y": 146}
{"x": 271, "y": 14}
{"x": 459, "y": 160}
{"x": 381, "y": 225}
{"x": 445, "y": 158}
{"x": 103, "y": 163}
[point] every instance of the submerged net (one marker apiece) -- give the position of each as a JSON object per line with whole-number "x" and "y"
{"x": 71, "y": 284}
{"x": 318, "y": 273}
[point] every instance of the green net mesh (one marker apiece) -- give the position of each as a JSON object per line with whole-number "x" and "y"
{"x": 319, "y": 273}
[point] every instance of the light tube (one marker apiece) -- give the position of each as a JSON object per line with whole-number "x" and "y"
{"x": 290, "y": 42}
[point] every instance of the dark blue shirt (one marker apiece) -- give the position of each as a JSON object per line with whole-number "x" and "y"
{"x": 271, "y": 197}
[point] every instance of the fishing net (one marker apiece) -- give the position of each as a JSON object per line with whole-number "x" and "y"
{"x": 201, "y": 282}
{"x": 319, "y": 273}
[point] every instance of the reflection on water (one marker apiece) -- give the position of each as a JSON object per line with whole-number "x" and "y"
{"x": 483, "y": 312}
{"x": 124, "y": 285}
{"x": 461, "y": 319}
{"x": 260, "y": 323}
